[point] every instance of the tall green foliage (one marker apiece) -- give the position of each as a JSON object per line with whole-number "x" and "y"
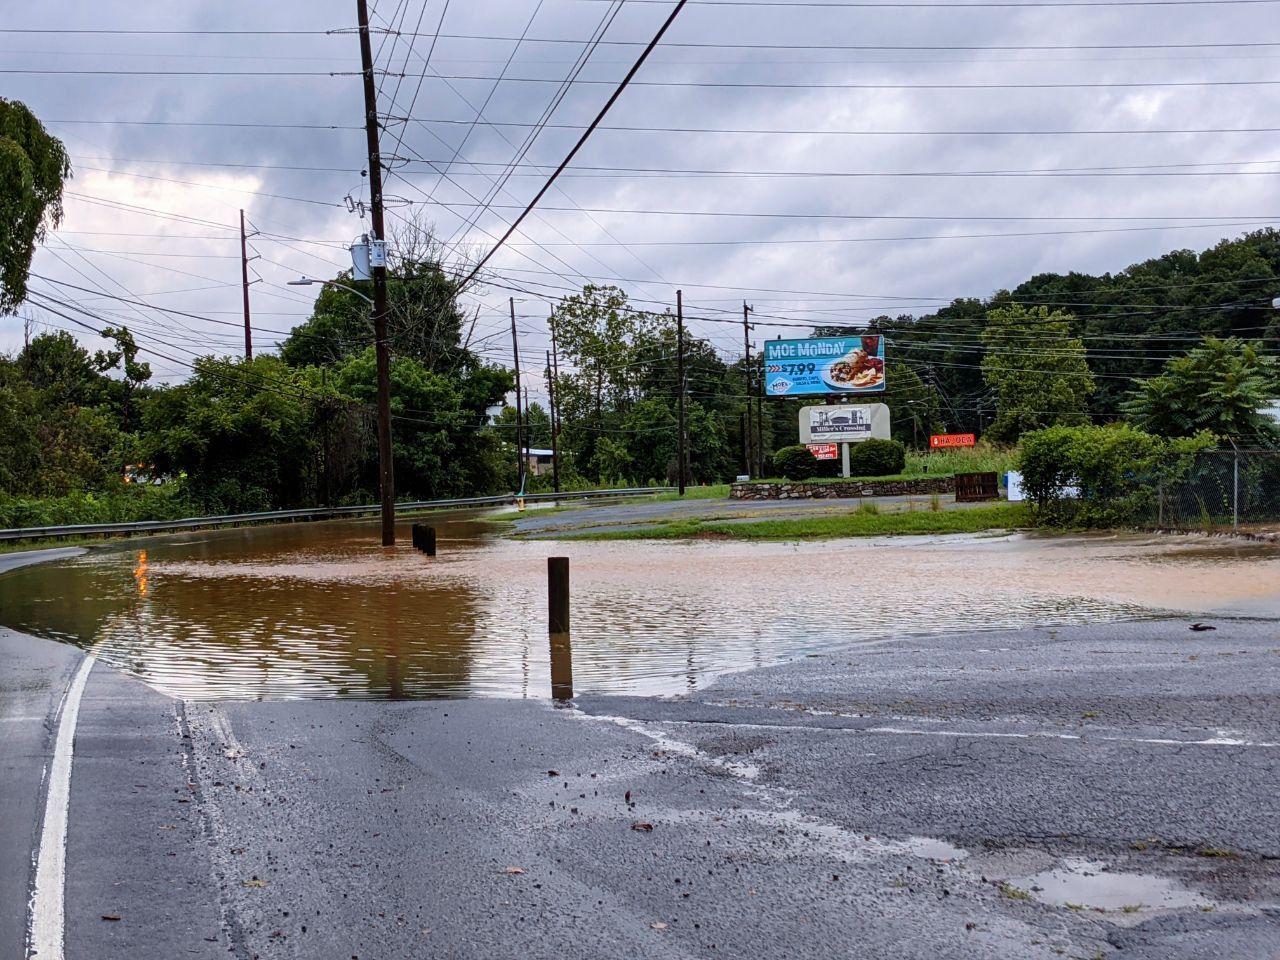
{"x": 1219, "y": 386}
{"x": 33, "y": 168}
{"x": 618, "y": 394}
{"x": 1036, "y": 369}
{"x": 1101, "y": 476}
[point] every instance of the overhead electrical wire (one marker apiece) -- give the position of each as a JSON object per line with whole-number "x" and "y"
{"x": 613, "y": 98}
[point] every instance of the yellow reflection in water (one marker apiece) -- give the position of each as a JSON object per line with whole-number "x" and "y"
{"x": 140, "y": 573}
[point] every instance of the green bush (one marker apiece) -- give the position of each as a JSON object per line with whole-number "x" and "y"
{"x": 877, "y": 458}
{"x": 1114, "y": 472}
{"x": 795, "y": 463}
{"x": 119, "y": 503}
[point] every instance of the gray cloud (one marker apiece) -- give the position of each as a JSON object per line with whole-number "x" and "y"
{"x": 914, "y": 270}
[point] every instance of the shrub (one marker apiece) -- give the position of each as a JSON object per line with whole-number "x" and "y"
{"x": 877, "y": 458}
{"x": 795, "y": 463}
{"x": 1100, "y": 476}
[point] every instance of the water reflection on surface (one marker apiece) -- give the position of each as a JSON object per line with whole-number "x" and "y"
{"x": 321, "y": 610}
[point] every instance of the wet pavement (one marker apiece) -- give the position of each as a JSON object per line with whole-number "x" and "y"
{"x": 959, "y": 747}
{"x": 901, "y": 800}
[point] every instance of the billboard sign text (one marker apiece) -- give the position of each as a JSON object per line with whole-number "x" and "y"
{"x": 941, "y": 441}
{"x": 824, "y": 451}
{"x": 824, "y": 365}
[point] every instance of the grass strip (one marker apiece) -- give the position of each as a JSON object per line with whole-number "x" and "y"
{"x": 1002, "y": 516}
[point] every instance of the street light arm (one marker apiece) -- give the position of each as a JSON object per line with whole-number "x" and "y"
{"x": 308, "y": 281}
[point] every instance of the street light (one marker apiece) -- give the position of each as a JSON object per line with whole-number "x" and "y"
{"x": 386, "y": 465}
{"x": 308, "y": 281}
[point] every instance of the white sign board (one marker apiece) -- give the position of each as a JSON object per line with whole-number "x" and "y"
{"x": 844, "y": 423}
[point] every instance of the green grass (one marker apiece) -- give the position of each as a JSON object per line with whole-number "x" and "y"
{"x": 979, "y": 459}
{"x": 856, "y": 523}
{"x": 716, "y": 491}
{"x": 1012, "y": 892}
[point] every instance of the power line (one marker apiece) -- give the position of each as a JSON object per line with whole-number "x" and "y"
{"x": 735, "y": 131}
{"x": 613, "y": 98}
{"x": 776, "y": 85}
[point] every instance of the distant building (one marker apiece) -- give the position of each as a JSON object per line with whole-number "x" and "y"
{"x": 540, "y": 461}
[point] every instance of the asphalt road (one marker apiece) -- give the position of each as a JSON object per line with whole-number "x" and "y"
{"x": 888, "y": 801}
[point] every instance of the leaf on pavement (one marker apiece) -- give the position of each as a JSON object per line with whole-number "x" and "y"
{"x": 111, "y": 916}
{"x": 255, "y": 883}
{"x": 659, "y": 925}
{"x": 643, "y": 825}
{"x": 513, "y": 871}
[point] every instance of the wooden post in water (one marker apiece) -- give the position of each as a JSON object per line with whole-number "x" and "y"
{"x": 558, "y": 594}
{"x": 561, "y": 667}
{"x": 424, "y": 538}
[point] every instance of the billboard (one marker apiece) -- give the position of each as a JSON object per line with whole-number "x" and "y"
{"x": 844, "y": 423}
{"x": 824, "y": 365}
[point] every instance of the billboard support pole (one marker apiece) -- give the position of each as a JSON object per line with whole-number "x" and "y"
{"x": 844, "y": 460}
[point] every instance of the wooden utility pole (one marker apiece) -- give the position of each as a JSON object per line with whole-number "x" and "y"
{"x": 378, "y": 264}
{"x": 555, "y": 419}
{"x": 759, "y": 417}
{"x": 521, "y": 463}
{"x": 747, "y": 460}
{"x": 555, "y": 426}
{"x": 680, "y": 454}
{"x": 244, "y": 283}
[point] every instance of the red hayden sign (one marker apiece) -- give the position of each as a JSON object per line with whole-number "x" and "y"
{"x": 824, "y": 451}
{"x": 939, "y": 441}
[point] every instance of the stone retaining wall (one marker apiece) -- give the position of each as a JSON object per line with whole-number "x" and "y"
{"x": 845, "y": 489}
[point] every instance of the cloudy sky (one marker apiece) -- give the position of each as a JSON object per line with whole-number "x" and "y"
{"x": 808, "y": 157}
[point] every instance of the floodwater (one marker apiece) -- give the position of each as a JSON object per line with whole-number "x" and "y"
{"x": 321, "y": 610}
{"x": 1092, "y": 883}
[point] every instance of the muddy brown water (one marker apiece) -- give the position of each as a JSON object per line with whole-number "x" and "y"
{"x": 321, "y": 610}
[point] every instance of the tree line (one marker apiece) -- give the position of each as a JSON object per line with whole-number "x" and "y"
{"x": 1176, "y": 345}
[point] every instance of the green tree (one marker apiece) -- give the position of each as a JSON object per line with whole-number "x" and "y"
{"x": 1036, "y": 369}
{"x": 33, "y": 168}
{"x": 442, "y": 444}
{"x": 424, "y": 318}
{"x": 537, "y": 428}
{"x": 619, "y": 396}
{"x": 242, "y": 432}
{"x": 1219, "y": 387}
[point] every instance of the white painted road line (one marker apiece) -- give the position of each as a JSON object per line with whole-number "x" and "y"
{"x": 48, "y": 899}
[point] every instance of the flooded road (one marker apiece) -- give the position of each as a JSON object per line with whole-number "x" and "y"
{"x": 320, "y": 610}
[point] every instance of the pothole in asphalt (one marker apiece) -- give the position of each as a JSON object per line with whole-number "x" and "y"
{"x": 1078, "y": 882}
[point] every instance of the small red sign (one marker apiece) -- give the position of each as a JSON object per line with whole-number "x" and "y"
{"x": 824, "y": 451}
{"x": 939, "y": 441}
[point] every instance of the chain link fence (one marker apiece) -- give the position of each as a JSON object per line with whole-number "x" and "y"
{"x": 1222, "y": 490}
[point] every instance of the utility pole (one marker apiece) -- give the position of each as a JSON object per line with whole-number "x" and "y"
{"x": 759, "y": 418}
{"x": 746, "y": 388}
{"x": 680, "y": 448}
{"x": 515, "y": 346}
{"x": 528, "y": 430}
{"x": 378, "y": 263}
{"x": 244, "y": 283}
{"x": 555, "y": 426}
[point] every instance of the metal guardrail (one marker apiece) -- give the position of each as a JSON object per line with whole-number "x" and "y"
{"x": 308, "y": 513}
